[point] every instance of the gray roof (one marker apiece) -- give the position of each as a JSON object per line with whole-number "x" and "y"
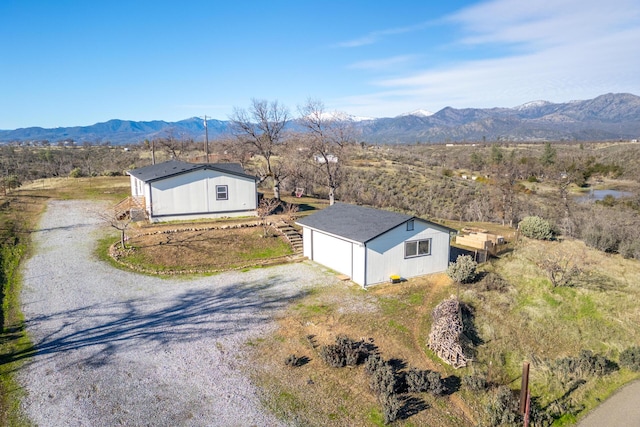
{"x": 353, "y": 222}
{"x": 176, "y": 167}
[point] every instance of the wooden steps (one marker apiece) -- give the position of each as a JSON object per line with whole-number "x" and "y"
{"x": 292, "y": 235}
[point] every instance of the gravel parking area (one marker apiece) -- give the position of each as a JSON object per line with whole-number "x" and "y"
{"x": 118, "y": 348}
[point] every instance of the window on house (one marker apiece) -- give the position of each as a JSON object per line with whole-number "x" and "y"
{"x": 416, "y": 248}
{"x": 410, "y": 225}
{"x": 222, "y": 192}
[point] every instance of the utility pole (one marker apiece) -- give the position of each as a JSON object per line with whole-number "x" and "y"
{"x": 206, "y": 139}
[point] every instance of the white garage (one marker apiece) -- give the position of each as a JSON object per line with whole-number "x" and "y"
{"x": 370, "y": 245}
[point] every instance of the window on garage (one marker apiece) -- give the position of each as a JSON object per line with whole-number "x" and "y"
{"x": 415, "y": 248}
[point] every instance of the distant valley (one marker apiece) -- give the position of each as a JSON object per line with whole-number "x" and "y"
{"x": 606, "y": 117}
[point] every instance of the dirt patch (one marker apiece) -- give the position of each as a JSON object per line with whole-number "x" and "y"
{"x": 205, "y": 248}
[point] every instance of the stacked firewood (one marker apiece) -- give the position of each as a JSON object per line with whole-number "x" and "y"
{"x": 446, "y": 333}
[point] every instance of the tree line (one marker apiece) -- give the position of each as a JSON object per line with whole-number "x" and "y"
{"x": 320, "y": 153}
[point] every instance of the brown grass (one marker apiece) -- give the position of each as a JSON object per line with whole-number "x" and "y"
{"x": 396, "y": 317}
{"x": 530, "y": 320}
{"x": 178, "y": 248}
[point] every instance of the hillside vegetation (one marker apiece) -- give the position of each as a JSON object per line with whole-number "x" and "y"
{"x": 513, "y": 314}
{"x": 567, "y": 305}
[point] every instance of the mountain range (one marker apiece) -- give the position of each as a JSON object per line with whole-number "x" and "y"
{"x": 606, "y": 117}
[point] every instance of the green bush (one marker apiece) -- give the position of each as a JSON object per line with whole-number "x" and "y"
{"x": 333, "y": 356}
{"x": 420, "y": 381}
{"x": 503, "y": 409}
{"x": 463, "y": 270}
{"x": 391, "y": 406}
{"x": 383, "y": 381}
{"x": 75, "y": 173}
{"x": 535, "y": 227}
{"x": 345, "y": 352}
{"x": 630, "y": 358}
{"x": 584, "y": 365}
{"x": 373, "y": 363}
{"x": 475, "y": 382}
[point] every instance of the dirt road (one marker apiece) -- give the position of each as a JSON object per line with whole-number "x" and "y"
{"x": 117, "y": 348}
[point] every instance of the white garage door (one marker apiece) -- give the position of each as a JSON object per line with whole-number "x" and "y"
{"x": 332, "y": 252}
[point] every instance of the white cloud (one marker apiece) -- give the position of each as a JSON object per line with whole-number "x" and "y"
{"x": 568, "y": 49}
{"x": 375, "y": 36}
{"x": 543, "y": 22}
{"x": 385, "y": 63}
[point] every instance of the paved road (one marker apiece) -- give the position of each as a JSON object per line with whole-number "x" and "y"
{"x": 620, "y": 410}
{"x": 117, "y": 348}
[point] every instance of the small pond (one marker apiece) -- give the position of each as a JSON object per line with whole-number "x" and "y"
{"x": 594, "y": 195}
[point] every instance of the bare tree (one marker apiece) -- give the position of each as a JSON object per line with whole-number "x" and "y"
{"x": 266, "y": 208}
{"x": 9, "y": 183}
{"x": 118, "y": 219}
{"x": 261, "y": 128}
{"x": 561, "y": 268}
{"x": 328, "y": 136}
{"x": 170, "y": 144}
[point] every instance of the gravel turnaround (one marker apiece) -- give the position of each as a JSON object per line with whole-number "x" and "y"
{"x": 119, "y": 348}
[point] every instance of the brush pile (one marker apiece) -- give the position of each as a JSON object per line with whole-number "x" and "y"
{"x": 446, "y": 333}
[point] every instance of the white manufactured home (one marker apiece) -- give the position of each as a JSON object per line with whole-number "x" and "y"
{"x": 176, "y": 190}
{"x": 371, "y": 245}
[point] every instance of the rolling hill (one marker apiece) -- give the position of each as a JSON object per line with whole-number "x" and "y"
{"x": 606, "y": 117}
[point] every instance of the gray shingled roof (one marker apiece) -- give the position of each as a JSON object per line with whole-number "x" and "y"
{"x": 353, "y": 222}
{"x": 176, "y": 167}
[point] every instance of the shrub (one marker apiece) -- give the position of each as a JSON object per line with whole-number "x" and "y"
{"x": 75, "y": 173}
{"x": 383, "y": 381}
{"x": 463, "y": 270}
{"x": 475, "y": 382}
{"x": 629, "y": 248}
{"x": 332, "y": 356}
{"x": 355, "y": 352}
{"x": 293, "y": 361}
{"x": 586, "y": 364}
{"x": 373, "y": 363}
{"x": 535, "y": 227}
{"x": 391, "y": 406}
{"x": 630, "y": 358}
{"x": 345, "y": 352}
{"x": 600, "y": 238}
{"x": 494, "y": 282}
{"x": 420, "y": 381}
{"x": 502, "y": 409}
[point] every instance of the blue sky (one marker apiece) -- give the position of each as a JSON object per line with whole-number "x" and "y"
{"x": 76, "y": 63}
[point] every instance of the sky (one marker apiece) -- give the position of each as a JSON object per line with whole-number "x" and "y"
{"x": 76, "y": 63}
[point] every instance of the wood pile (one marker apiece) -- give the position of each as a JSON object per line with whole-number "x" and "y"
{"x": 446, "y": 333}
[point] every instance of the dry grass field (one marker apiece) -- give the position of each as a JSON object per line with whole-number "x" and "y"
{"x": 181, "y": 248}
{"x": 514, "y": 313}
{"x": 526, "y": 319}
{"x": 395, "y": 318}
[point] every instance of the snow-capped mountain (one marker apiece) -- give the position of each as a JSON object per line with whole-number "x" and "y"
{"x": 344, "y": 117}
{"x": 417, "y": 113}
{"x": 532, "y": 104}
{"x": 607, "y": 117}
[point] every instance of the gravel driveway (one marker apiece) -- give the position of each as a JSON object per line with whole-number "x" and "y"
{"x": 117, "y": 348}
